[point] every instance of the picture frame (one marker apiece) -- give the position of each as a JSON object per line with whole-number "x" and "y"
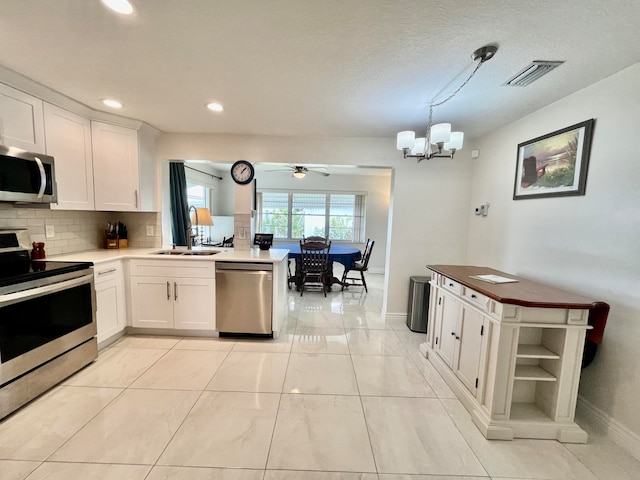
{"x": 554, "y": 165}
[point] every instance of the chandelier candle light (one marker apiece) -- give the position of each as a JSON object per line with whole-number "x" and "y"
{"x": 440, "y": 134}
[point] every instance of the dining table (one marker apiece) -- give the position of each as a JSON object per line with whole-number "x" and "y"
{"x": 343, "y": 254}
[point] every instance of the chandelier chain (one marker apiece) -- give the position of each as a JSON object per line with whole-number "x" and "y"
{"x": 459, "y": 88}
{"x": 427, "y": 146}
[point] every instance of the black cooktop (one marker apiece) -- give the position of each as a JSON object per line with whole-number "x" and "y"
{"x": 13, "y": 272}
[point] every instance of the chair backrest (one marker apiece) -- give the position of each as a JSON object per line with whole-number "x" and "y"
{"x": 367, "y": 253}
{"x": 227, "y": 242}
{"x": 314, "y": 239}
{"x": 314, "y": 256}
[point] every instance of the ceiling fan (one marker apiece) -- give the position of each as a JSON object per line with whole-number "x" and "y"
{"x": 300, "y": 171}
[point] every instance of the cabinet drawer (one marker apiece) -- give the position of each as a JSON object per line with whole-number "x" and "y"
{"x": 451, "y": 285}
{"x": 477, "y": 299}
{"x": 107, "y": 271}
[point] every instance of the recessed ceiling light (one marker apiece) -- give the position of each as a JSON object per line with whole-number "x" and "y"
{"x": 119, "y": 6}
{"x": 112, "y": 103}
{"x": 215, "y": 107}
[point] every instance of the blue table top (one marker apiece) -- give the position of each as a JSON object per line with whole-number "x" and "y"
{"x": 339, "y": 253}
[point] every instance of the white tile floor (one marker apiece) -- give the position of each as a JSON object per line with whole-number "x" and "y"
{"x": 342, "y": 394}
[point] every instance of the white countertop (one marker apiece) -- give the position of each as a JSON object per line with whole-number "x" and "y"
{"x": 273, "y": 255}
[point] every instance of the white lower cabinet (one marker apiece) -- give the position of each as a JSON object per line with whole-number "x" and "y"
{"x": 172, "y": 294}
{"x": 515, "y": 367}
{"x": 110, "y": 299}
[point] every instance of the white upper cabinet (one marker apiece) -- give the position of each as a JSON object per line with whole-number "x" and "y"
{"x": 21, "y": 120}
{"x": 69, "y": 142}
{"x": 98, "y": 166}
{"x": 115, "y": 167}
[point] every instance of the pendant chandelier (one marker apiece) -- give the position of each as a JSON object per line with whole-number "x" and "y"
{"x": 440, "y": 134}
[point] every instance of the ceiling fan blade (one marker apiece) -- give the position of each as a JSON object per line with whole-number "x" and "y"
{"x": 319, "y": 173}
{"x": 279, "y": 170}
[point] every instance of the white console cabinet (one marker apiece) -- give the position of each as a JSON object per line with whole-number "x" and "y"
{"x": 511, "y": 352}
{"x": 172, "y": 294}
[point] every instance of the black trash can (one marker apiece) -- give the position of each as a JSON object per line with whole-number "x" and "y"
{"x": 418, "y": 311}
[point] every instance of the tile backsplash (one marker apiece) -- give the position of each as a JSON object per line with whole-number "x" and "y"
{"x": 76, "y": 231}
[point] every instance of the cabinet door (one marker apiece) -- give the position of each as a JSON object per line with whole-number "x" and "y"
{"x": 152, "y": 302}
{"x": 111, "y": 308}
{"x": 110, "y": 299}
{"x": 69, "y": 141}
{"x": 194, "y": 303}
{"x": 115, "y": 165}
{"x": 450, "y": 308}
{"x": 21, "y": 120}
{"x": 470, "y": 331}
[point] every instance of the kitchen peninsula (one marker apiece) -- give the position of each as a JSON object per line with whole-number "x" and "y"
{"x": 510, "y": 349}
{"x": 179, "y": 289}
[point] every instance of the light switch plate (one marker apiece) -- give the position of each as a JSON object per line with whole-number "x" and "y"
{"x": 49, "y": 231}
{"x": 149, "y": 230}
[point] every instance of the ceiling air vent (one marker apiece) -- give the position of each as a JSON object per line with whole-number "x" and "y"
{"x": 531, "y": 73}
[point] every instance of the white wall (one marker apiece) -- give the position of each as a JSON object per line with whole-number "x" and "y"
{"x": 428, "y": 221}
{"x": 586, "y": 244}
{"x": 428, "y": 218}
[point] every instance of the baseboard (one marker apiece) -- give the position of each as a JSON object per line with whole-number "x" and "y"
{"x": 602, "y": 422}
{"x": 377, "y": 271}
{"x": 399, "y": 317}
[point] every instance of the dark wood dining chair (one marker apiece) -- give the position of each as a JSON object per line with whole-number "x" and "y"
{"x": 361, "y": 266}
{"x": 314, "y": 265}
{"x": 227, "y": 242}
{"x": 314, "y": 238}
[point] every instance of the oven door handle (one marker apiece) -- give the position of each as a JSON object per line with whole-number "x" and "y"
{"x": 10, "y": 298}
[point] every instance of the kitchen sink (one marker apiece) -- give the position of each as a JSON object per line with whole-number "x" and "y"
{"x": 187, "y": 252}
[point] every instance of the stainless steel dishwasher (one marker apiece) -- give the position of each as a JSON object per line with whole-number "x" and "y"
{"x": 244, "y": 296}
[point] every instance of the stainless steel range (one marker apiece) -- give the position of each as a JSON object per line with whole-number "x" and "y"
{"x": 47, "y": 321}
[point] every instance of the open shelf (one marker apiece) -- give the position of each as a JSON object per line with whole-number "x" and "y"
{"x": 533, "y": 372}
{"x": 535, "y": 351}
{"x": 529, "y": 412}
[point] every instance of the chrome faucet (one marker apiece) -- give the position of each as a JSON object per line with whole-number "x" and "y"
{"x": 189, "y": 232}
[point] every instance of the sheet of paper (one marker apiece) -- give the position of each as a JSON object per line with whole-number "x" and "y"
{"x": 493, "y": 278}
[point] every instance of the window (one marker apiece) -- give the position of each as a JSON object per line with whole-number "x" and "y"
{"x": 197, "y": 195}
{"x": 293, "y": 215}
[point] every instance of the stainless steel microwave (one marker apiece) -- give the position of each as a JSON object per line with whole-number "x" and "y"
{"x": 26, "y": 176}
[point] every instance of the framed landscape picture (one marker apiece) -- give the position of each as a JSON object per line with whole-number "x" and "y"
{"x": 555, "y": 164}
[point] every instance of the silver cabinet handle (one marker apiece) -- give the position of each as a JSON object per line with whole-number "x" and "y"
{"x": 136, "y": 193}
{"x": 175, "y": 291}
{"x": 43, "y": 177}
{"x": 103, "y": 272}
{"x": 168, "y": 291}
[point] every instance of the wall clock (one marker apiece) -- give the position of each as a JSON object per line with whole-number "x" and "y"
{"x": 242, "y": 172}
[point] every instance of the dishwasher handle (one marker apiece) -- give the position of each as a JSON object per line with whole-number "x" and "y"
{"x": 243, "y": 266}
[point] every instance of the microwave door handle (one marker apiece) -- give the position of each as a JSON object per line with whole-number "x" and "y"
{"x": 43, "y": 177}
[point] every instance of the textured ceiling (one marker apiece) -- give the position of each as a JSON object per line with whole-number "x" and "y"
{"x": 315, "y": 68}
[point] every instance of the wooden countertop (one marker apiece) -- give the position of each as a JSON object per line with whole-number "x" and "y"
{"x": 526, "y": 293}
